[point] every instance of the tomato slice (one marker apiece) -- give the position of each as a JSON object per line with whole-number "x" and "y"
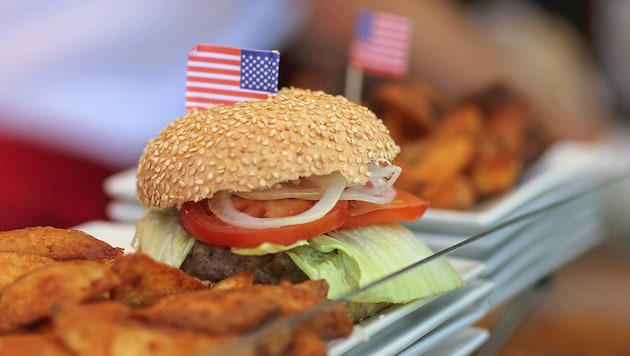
{"x": 203, "y": 225}
{"x": 272, "y": 208}
{"x": 405, "y": 207}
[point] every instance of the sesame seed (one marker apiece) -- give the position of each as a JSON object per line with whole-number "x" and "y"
{"x": 257, "y": 144}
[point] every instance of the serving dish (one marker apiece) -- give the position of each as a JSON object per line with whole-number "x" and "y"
{"x": 121, "y": 186}
{"x": 450, "y": 313}
{"x": 563, "y": 168}
{"x": 463, "y": 343}
{"x": 496, "y": 246}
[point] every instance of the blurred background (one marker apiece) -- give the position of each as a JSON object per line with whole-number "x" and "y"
{"x": 84, "y": 85}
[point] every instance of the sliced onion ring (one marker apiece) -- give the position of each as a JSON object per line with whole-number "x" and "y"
{"x": 288, "y": 190}
{"x": 221, "y": 206}
{"x": 377, "y": 190}
{"x": 384, "y": 197}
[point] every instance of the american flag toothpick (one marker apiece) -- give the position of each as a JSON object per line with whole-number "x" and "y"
{"x": 226, "y": 75}
{"x": 380, "y": 46}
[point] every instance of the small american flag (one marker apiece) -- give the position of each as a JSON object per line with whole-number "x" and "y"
{"x": 381, "y": 44}
{"x": 226, "y": 75}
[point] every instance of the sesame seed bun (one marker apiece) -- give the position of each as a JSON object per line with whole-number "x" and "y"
{"x": 256, "y": 144}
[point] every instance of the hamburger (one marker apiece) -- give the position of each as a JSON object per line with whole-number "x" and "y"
{"x": 298, "y": 186}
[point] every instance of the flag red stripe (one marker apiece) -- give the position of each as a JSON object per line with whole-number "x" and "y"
{"x": 208, "y": 102}
{"x": 393, "y": 73}
{"x": 228, "y": 61}
{"x": 214, "y": 70}
{"x": 227, "y": 92}
{"x": 190, "y": 80}
{"x": 217, "y": 100}
{"x": 362, "y": 49}
{"x": 217, "y": 49}
{"x": 387, "y": 65}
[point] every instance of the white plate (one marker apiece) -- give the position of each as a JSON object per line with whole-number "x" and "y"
{"x": 533, "y": 266}
{"x": 115, "y": 234}
{"x": 393, "y": 333}
{"x": 124, "y": 211}
{"x": 463, "y": 343}
{"x": 444, "y": 332}
{"x": 549, "y": 232}
{"x": 122, "y": 185}
{"x": 565, "y": 163}
{"x": 409, "y": 336}
{"x": 478, "y": 249}
{"x": 488, "y": 246}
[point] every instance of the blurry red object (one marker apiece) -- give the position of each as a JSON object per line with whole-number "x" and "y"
{"x": 42, "y": 186}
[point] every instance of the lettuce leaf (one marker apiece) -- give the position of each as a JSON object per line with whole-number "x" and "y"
{"x": 347, "y": 259}
{"x": 351, "y": 259}
{"x": 160, "y": 235}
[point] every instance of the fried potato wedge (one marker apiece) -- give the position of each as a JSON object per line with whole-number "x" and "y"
{"x": 307, "y": 343}
{"x": 467, "y": 137}
{"x": 457, "y": 192}
{"x": 511, "y": 122}
{"x": 288, "y": 342}
{"x": 432, "y": 161}
{"x": 132, "y": 304}
{"x": 32, "y": 296}
{"x": 108, "y": 328}
{"x": 16, "y": 264}
{"x": 213, "y": 311}
{"x": 58, "y": 244}
{"x": 466, "y": 119}
{"x": 408, "y": 111}
{"x": 144, "y": 280}
{"x": 242, "y": 279}
{"x": 35, "y": 344}
{"x": 328, "y": 320}
{"x": 296, "y": 297}
{"x": 495, "y": 174}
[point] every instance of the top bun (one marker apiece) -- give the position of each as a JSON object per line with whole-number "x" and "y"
{"x": 256, "y": 144}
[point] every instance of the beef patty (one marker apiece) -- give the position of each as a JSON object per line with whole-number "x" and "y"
{"x": 214, "y": 263}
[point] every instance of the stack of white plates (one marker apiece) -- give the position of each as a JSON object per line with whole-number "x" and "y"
{"x": 554, "y": 214}
{"x": 421, "y": 325}
{"x": 121, "y": 188}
